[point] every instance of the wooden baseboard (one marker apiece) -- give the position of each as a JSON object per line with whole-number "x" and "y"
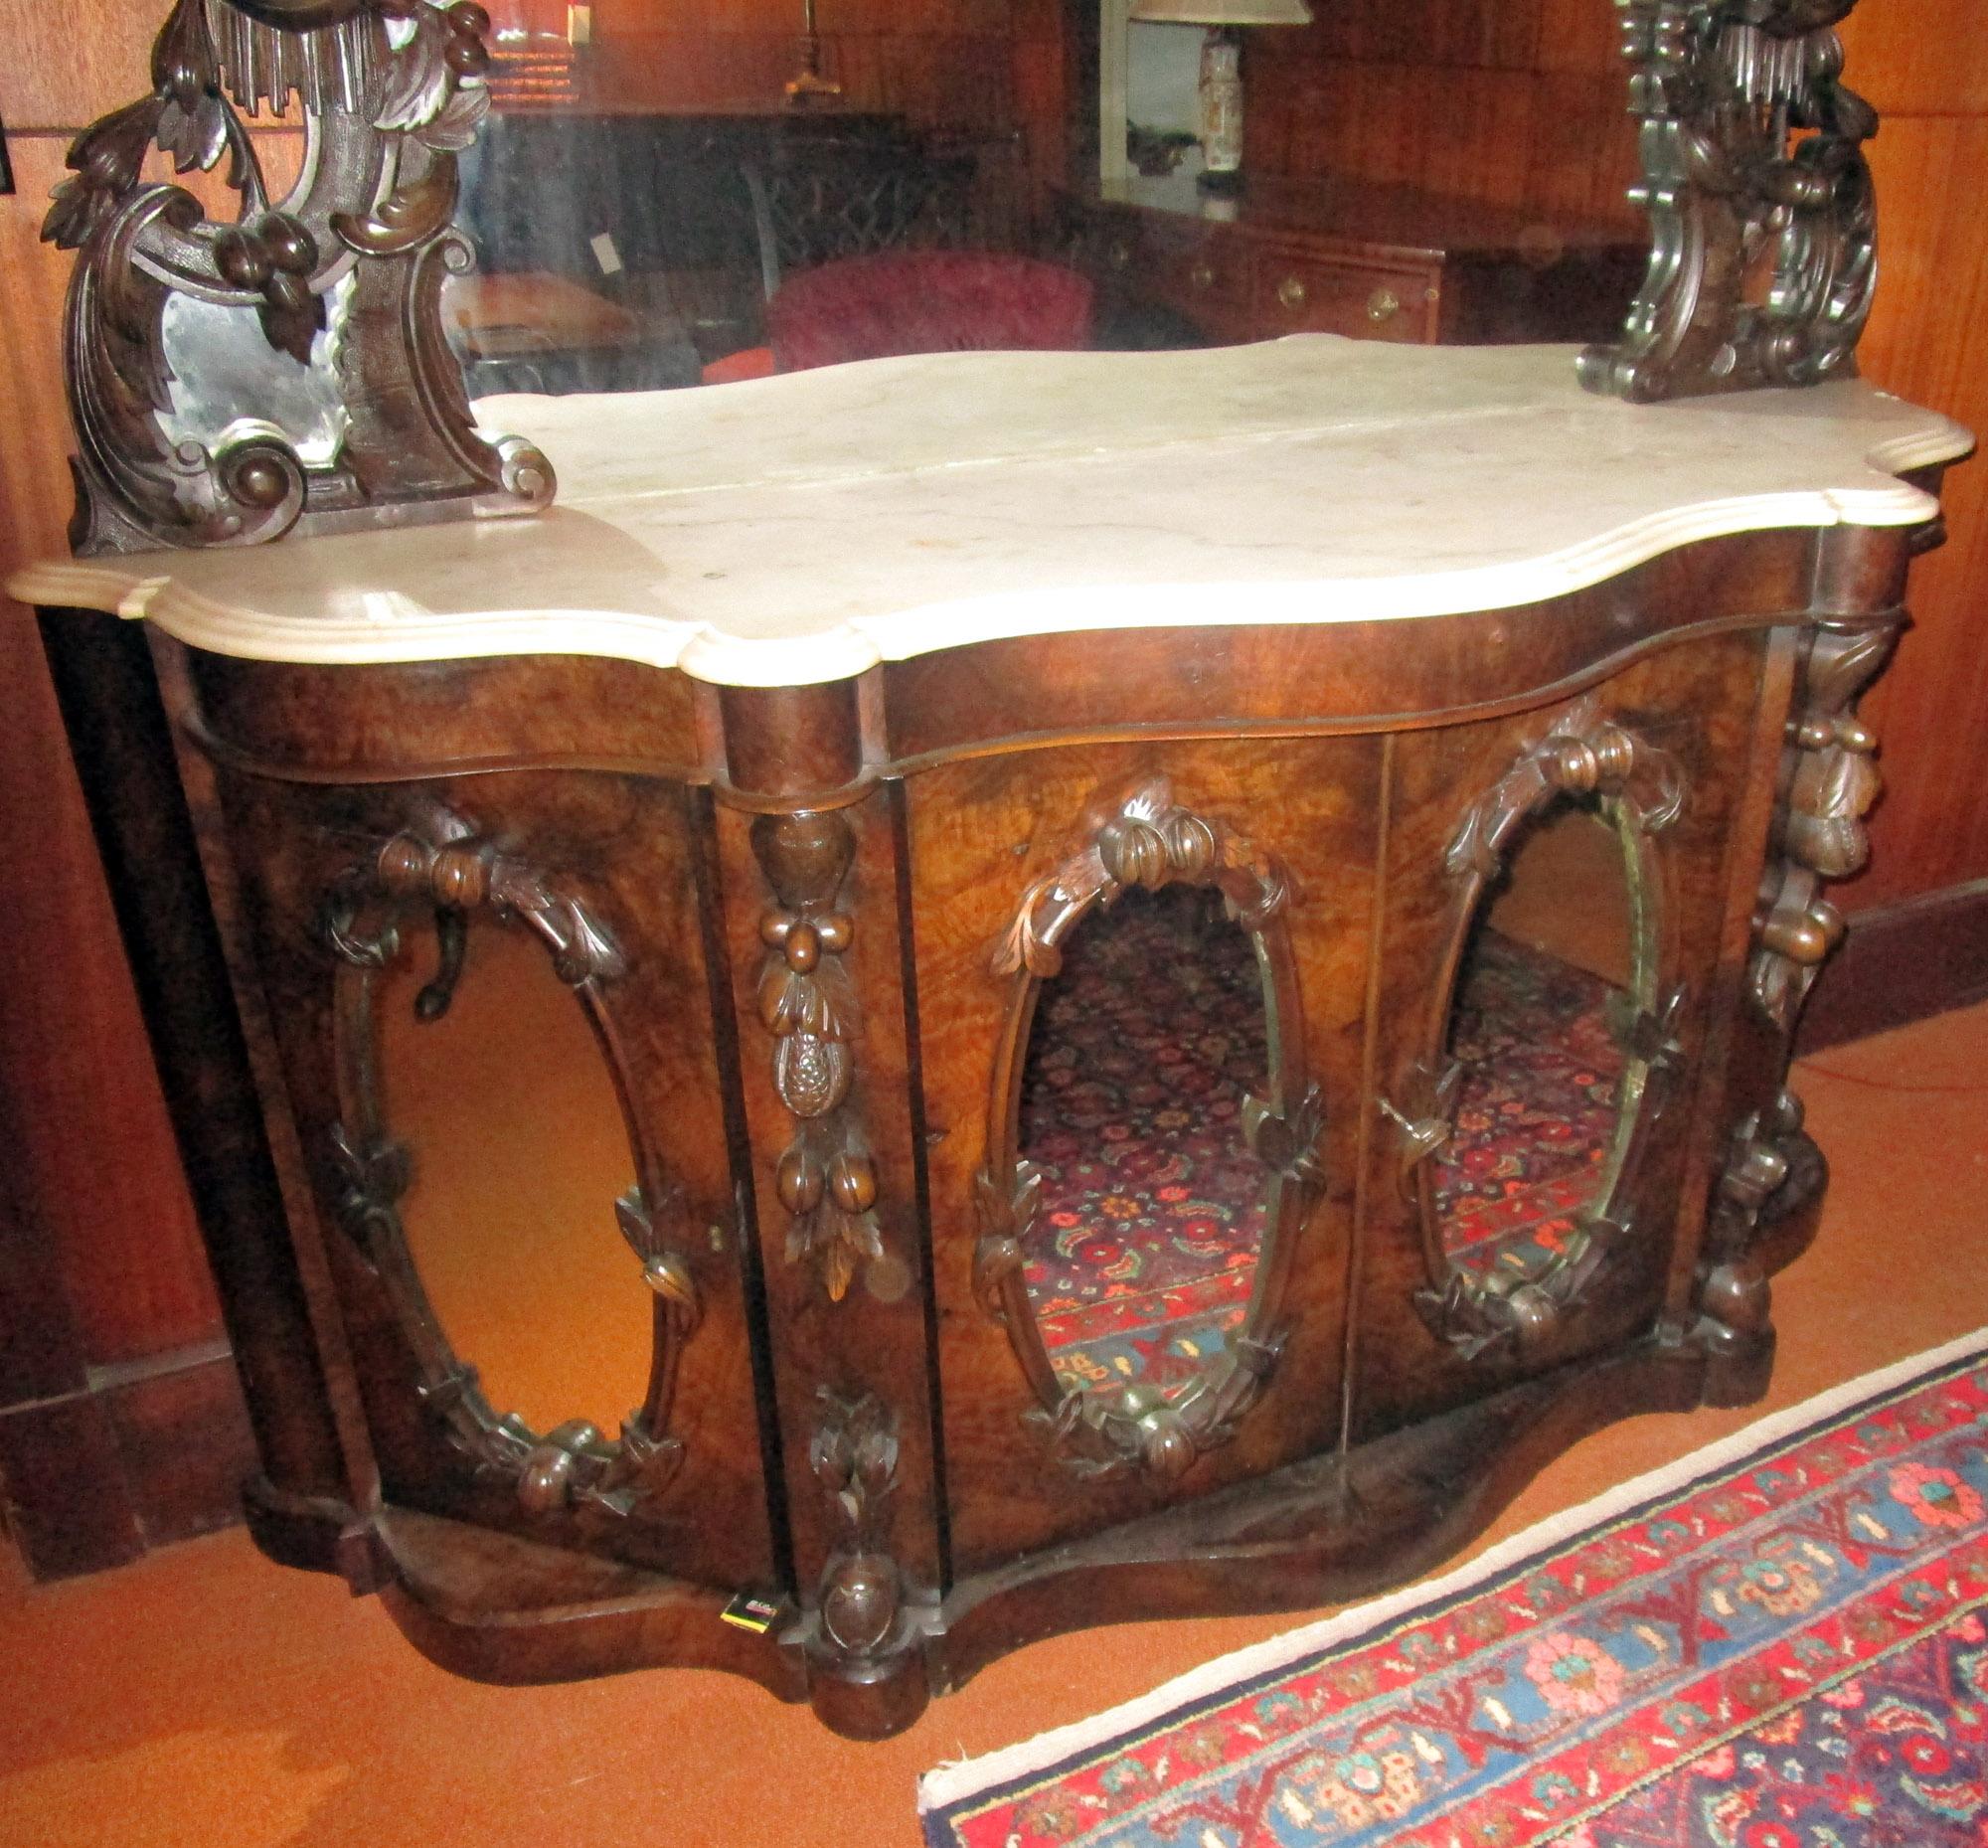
{"x": 1899, "y": 963}
{"x": 139, "y": 1456}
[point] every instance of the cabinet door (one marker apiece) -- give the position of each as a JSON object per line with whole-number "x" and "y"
{"x": 1141, "y": 978}
{"x": 1557, "y": 974}
{"x": 493, "y": 1016}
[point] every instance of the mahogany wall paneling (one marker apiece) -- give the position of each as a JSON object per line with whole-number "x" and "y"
{"x": 981, "y": 832}
{"x": 626, "y": 850}
{"x": 112, "y": 1201}
{"x": 1403, "y": 1371}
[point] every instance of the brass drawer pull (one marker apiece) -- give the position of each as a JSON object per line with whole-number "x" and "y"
{"x": 1293, "y": 292}
{"x": 1118, "y": 253}
{"x": 1202, "y": 275}
{"x": 1383, "y": 305}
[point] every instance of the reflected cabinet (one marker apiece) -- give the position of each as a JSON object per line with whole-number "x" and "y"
{"x": 835, "y": 1181}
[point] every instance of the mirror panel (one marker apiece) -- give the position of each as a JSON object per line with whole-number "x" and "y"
{"x": 1152, "y": 1139}
{"x": 518, "y": 1157}
{"x": 1548, "y": 980}
{"x": 1144, "y": 1255}
{"x": 1525, "y": 1116}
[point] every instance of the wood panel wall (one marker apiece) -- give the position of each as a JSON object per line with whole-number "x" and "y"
{"x": 119, "y": 1422}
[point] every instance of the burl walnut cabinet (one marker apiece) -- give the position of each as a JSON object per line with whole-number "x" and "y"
{"x": 807, "y": 754}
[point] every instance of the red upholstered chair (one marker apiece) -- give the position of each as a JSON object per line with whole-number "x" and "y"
{"x": 925, "y": 301}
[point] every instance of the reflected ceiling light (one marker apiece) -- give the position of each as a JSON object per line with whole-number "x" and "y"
{"x": 1221, "y": 71}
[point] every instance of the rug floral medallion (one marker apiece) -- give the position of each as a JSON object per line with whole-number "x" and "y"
{"x": 1779, "y": 1644}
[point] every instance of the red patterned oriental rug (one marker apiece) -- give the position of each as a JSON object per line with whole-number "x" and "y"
{"x": 1778, "y": 1642}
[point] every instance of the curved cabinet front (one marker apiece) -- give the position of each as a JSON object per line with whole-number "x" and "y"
{"x": 1194, "y": 1164}
{"x": 494, "y": 1015}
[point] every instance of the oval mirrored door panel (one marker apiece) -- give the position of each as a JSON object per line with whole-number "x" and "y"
{"x": 1554, "y": 972}
{"x": 1152, "y": 1139}
{"x": 518, "y": 1156}
{"x": 1150, "y": 1222}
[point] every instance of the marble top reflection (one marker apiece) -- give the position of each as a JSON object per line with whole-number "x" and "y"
{"x": 802, "y": 528}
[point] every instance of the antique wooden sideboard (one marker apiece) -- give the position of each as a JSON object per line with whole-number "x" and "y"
{"x": 791, "y": 754}
{"x": 1059, "y": 987}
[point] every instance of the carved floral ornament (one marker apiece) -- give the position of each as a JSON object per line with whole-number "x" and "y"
{"x": 1641, "y": 790}
{"x": 1148, "y": 840}
{"x": 229, "y": 381}
{"x": 441, "y": 869}
{"x": 827, "y": 1178}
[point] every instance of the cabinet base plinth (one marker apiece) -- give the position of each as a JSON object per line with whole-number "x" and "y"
{"x": 503, "y": 1609}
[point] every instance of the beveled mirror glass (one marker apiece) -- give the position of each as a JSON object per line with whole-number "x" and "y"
{"x": 1525, "y": 1115}
{"x": 1560, "y": 963}
{"x": 519, "y": 1155}
{"x": 1152, "y": 1143}
{"x": 484, "y": 1157}
{"x": 1143, "y": 1256}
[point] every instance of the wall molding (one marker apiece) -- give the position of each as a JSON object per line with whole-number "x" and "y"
{"x": 1899, "y": 963}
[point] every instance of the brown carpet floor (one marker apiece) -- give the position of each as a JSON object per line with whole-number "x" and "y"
{"x": 205, "y": 1697}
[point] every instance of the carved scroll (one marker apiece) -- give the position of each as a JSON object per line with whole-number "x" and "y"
{"x": 827, "y": 1180}
{"x": 444, "y": 871}
{"x": 1831, "y": 781}
{"x": 1734, "y": 1296}
{"x": 1149, "y": 840}
{"x": 230, "y": 382}
{"x": 1584, "y": 754}
{"x": 1759, "y": 198}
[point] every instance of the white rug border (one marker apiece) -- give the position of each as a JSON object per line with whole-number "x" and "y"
{"x": 948, "y": 1784}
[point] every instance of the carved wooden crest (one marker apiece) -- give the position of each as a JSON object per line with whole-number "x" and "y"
{"x": 232, "y": 381}
{"x": 1759, "y": 198}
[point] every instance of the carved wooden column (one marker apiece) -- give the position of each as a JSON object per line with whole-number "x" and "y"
{"x": 811, "y": 870}
{"x": 1767, "y": 1199}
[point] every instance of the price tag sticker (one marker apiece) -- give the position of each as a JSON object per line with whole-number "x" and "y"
{"x": 748, "y": 1612}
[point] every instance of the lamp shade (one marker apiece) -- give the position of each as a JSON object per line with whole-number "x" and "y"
{"x": 1223, "y": 12}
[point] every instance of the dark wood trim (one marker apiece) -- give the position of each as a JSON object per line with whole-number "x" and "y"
{"x": 1902, "y": 962}
{"x": 137, "y": 1456}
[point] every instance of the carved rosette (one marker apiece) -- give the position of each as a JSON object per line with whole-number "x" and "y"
{"x": 441, "y": 869}
{"x": 340, "y": 283}
{"x": 1831, "y": 781}
{"x": 1147, "y": 840}
{"x": 1584, "y": 754}
{"x": 827, "y": 1179}
{"x": 1752, "y": 150}
{"x": 861, "y": 1603}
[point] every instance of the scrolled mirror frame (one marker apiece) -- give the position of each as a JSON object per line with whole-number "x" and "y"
{"x": 1146, "y": 839}
{"x": 441, "y": 866}
{"x": 390, "y": 92}
{"x": 1584, "y": 751}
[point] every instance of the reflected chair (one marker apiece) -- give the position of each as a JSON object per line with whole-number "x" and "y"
{"x": 925, "y": 301}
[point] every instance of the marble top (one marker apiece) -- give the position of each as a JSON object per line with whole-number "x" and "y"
{"x": 803, "y": 527}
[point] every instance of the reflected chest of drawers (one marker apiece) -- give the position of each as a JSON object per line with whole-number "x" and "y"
{"x": 637, "y": 984}
{"x": 1342, "y": 256}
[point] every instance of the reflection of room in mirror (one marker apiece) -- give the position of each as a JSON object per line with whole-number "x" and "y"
{"x": 1543, "y": 982}
{"x": 1144, "y": 1255}
{"x": 518, "y": 1153}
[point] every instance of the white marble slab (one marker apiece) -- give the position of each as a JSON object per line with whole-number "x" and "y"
{"x": 803, "y": 527}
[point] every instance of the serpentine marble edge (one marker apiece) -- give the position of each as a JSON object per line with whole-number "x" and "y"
{"x": 803, "y": 527}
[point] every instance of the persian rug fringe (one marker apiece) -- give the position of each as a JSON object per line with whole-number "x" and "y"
{"x": 952, "y": 1782}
